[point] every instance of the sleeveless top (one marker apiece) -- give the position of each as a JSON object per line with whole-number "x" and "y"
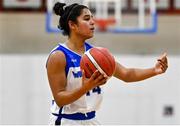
{"x": 88, "y": 102}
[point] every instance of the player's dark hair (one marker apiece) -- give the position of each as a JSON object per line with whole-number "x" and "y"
{"x": 67, "y": 13}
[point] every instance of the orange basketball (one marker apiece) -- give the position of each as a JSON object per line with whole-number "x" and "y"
{"x": 98, "y": 58}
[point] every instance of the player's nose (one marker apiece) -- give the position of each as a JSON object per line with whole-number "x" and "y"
{"x": 92, "y": 22}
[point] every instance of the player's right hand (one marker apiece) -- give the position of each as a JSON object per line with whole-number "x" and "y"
{"x": 95, "y": 80}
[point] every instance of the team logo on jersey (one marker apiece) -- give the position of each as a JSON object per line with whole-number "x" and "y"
{"x": 77, "y": 74}
{"x": 74, "y": 60}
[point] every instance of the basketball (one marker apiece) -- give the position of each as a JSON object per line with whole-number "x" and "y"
{"x": 98, "y": 58}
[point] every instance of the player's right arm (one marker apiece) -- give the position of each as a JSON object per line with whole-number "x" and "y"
{"x": 57, "y": 80}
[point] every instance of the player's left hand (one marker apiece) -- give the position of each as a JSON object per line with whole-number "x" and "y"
{"x": 162, "y": 64}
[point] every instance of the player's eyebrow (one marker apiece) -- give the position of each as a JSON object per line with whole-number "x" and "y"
{"x": 87, "y": 15}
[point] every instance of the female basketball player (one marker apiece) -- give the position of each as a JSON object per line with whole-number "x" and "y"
{"x": 76, "y": 98}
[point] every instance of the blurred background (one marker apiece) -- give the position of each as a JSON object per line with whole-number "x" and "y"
{"x": 28, "y": 33}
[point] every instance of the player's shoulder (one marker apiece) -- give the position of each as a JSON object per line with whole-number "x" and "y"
{"x": 56, "y": 56}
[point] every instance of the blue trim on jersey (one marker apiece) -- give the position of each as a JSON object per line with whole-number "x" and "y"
{"x": 69, "y": 58}
{"x": 53, "y": 102}
{"x": 58, "y": 120}
{"x": 72, "y": 58}
{"x": 88, "y": 46}
{"x": 76, "y": 116}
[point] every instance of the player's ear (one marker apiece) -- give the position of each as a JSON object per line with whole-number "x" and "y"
{"x": 71, "y": 24}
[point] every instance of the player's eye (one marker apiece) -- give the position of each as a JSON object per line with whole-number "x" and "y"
{"x": 87, "y": 18}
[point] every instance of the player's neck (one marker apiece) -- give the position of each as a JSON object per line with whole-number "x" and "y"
{"x": 77, "y": 40}
{"x": 76, "y": 44}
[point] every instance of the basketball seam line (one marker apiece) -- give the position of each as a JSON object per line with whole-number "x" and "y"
{"x": 95, "y": 63}
{"x": 86, "y": 66}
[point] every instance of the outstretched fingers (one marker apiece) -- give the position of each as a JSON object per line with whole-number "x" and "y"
{"x": 163, "y": 58}
{"x": 163, "y": 62}
{"x": 163, "y": 66}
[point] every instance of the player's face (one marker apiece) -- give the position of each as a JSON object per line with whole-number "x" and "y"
{"x": 85, "y": 25}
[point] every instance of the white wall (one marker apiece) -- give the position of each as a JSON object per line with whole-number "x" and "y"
{"x": 0, "y": 89}
{"x": 143, "y": 102}
{"x": 25, "y": 93}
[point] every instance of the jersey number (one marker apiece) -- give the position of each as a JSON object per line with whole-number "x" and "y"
{"x": 95, "y": 90}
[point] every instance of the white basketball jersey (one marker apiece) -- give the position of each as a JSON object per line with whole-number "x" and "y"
{"x": 87, "y": 103}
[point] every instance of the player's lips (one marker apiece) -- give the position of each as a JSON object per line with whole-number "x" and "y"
{"x": 92, "y": 29}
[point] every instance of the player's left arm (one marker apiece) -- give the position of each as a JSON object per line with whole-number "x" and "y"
{"x": 135, "y": 74}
